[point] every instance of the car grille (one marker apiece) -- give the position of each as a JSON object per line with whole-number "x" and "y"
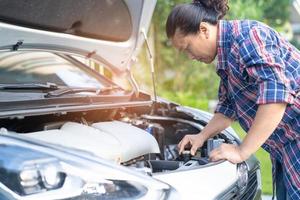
{"x": 251, "y": 189}
{"x": 229, "y": 195}
{"x": 248, "y": 194}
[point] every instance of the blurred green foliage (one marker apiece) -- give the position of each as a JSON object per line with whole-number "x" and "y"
{"x": 296, "y": 43}
{"x": 188, "y": 98}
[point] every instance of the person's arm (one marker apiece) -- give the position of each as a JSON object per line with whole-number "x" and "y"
{"x": 223, "y": 117}
{"x": 218, "y": 123}
{"x": 267, "y": 118}
{"x": 266, "y": 121}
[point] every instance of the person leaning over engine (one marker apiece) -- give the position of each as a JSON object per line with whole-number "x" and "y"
{"x": 260, "y": 80}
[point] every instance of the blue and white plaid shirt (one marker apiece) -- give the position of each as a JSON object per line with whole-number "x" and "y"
{"x": 258, "y": 66}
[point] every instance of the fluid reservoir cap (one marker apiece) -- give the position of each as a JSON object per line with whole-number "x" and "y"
{"x": 186, "y": 155}
{"x": 186, "y": 152}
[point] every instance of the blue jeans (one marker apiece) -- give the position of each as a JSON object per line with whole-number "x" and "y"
{"x": 281, "y": 192}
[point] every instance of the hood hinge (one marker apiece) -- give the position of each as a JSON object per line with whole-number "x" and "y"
{"x": 16, "y": 46}
{"x": 133, "y": 83}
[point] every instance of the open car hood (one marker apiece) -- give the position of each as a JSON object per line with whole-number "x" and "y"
{"x": 108, "y": 30}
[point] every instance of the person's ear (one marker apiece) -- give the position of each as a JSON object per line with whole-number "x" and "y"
{"x": 204, "y": 30}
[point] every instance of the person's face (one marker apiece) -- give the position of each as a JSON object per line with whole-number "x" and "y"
{"x": 201, "y": 46}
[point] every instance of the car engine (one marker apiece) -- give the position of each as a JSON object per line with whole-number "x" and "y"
{"x": 146, "y": 143}
{"x": 115, "y": 140}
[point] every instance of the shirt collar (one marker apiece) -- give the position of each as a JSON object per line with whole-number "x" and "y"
{"x": 224, "y": 43}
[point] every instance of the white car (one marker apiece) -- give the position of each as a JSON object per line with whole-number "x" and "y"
{"x": 68, "y": 132}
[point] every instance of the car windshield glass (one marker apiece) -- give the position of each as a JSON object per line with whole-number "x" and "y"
{"x": 43, "y": 68}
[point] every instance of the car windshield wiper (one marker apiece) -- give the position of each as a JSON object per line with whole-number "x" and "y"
{"x": 18, "y": 86}
{"x": 63, "y": 91}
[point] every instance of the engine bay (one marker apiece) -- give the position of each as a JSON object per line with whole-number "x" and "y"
{"x": 168, "y": 131}
{"x": 145, "y": 143}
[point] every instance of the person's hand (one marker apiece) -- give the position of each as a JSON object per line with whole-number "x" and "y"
{"x": 230, "y": 152}
{"x": 193, "y": 141}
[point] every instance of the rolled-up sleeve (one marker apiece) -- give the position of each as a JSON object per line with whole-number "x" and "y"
{"x": 224, "y": 105}
{"x": 264, "y": 66}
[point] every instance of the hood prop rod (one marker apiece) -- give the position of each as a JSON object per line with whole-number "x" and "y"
{"x": 152, "y": 69}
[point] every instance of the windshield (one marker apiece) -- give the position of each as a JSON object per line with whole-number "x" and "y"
{"x": 43, "y": 68}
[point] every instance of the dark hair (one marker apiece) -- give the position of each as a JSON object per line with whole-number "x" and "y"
{"x": 187, "y": 17}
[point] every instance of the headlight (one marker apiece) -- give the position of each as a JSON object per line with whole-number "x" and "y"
{"x": 40, "y": 175}
{"x": 242, "y": 173}
{"x": 46, "y": 173}
{"x": 31, "y": 176}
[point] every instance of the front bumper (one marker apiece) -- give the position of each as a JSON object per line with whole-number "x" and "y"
{"x": 216, "y": 181}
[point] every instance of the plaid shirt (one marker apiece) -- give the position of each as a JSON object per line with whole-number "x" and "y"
{"x": 258, "y": 66}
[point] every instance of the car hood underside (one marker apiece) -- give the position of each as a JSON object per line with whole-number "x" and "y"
{"x": 109, "y": 31}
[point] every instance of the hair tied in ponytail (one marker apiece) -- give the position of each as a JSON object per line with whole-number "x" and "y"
{"x": 220, "y": 6}
{"x": 188, "y": 17}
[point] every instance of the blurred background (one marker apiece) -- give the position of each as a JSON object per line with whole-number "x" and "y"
{"x": 196, "y": 84}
